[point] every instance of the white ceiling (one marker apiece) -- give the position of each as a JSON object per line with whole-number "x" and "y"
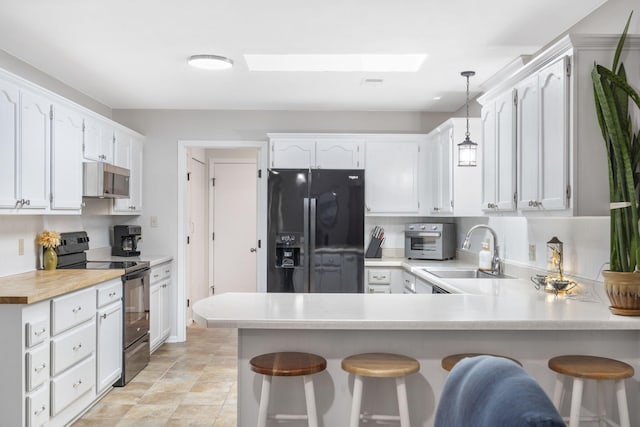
{"x": 132, "y": 53}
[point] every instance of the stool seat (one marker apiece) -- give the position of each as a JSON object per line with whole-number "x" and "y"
{"x": 288, "y": 364}
{"x": 591, "y": 367}
{"x": 380, "y": 365}
{"x": 450, "y": 361}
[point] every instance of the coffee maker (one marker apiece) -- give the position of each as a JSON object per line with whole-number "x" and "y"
{"x": 125, "y": 240}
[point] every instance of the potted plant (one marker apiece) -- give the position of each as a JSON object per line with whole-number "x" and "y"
{"x": 49, "y": 240}
{"x": 613, "y": 98}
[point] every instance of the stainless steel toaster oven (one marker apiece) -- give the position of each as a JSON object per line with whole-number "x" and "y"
{"x": 435, "y": 241}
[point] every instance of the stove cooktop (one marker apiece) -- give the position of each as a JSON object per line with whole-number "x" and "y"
{"x": 127, "y": 266}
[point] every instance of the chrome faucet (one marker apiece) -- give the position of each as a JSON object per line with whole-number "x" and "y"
{"x": 496, "y": 262}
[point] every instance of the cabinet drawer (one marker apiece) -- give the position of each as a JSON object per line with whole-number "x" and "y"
{"x": 380, "y": 277}
{"x": 71, "y": 310}
{"x": 378, "y": 289}
{"x": 109, "y": 292}
{"x": 160, "y": 272}
{"x": 72, "y": 346}
{"x": 37, "y": 332}
{"x": 37, "y": 367}
{"x": 37, "y": 407}
{"x": 71, "y": 385}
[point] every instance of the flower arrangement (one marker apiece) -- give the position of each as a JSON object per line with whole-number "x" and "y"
{"x": 48, "y": 239}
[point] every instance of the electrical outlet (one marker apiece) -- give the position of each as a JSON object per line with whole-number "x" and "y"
{"x": 154, "y": 221}
{"x": 532, "y": 252}
{"x": 20, "y": 247}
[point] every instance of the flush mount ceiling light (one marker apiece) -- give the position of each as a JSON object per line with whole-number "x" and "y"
{"x": 337, "y": 63}
{"x": 467, "y": 149}
{"x": 210, "y": 62}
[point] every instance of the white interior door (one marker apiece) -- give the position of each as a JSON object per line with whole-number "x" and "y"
{"x": 197, "y": 232}
{"x": 234, "y": 226}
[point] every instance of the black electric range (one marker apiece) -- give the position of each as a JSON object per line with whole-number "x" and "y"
{"x": 127, "y": 266}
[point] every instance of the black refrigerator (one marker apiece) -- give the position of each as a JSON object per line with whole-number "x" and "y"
{"x": 315, "y": 230}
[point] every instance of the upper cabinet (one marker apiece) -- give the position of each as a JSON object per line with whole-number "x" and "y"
{"x": 455, "y": 190}
{"x": 99, "y": 139}
{"x": 9, "y": 145}
{"x": 542, "y": 114}
{"x": 315, "y": 152}
{"x": 128, "y": 154}
{"x": 66, "y": 158}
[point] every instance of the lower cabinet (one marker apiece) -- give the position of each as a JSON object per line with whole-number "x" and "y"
{"x": 49, "y": 378}
{"x": 159, "y": 305}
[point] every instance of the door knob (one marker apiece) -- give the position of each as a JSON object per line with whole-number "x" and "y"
{"x": 252, "y": 250}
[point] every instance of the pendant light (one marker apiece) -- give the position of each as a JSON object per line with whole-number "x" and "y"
{"x": 467, "y": 149}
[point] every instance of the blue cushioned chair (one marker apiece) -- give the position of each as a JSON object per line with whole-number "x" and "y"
{"x": 487, "y": 391}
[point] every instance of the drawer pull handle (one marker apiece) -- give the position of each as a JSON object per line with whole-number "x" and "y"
{"x": 104, "y": 316}
{"x": 167, "y": 271}
{"x": 155, "y": 276}
{"x": 40, "y": 332}
{"x": 76, "y": 385}
{"x": 77, "y": 347}
{"x": 77, "y": 309}
{"x": 40, "y": 410}
{"x": 40, "y": 368}
{"x": 113, "y": 294}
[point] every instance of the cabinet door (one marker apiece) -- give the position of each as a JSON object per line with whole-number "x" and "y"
{"x": 554, "y": 135}
{"x": 505, "y": 142}
{"x": 442, "y": 173}
{"x": 166, "y": 310}
{"x": 122, "y": 158}
{"x": 339, "y": 154}
{"x": 489, "y": 157}
{"x": 293, "y": 153}
{"x": 528, "y": 146}
{"x": 135, "y": 181}
{"x": 35, "y": 128}
{"x": 391, "y": 177}
{"x": 109, "y": 353}
{"x": 107, "y": 142}
{"x": 92, "y": 142}
{"x": 155, "y": 315}
{"x": 9, "y": 108}
{"x": 66, "y": 159}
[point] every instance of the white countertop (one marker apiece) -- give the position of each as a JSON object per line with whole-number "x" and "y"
{"x": 104, "y": 254}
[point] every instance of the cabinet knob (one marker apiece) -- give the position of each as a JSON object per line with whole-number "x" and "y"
{"x": 368, "y": 208}
{"x": 77, "y": 384}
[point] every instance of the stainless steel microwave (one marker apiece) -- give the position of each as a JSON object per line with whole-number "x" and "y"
{"x": 104, "y": 180}
{"x": 430, "y": 241}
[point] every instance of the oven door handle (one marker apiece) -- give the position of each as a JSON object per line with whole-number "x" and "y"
{"x": 425, "y": 234}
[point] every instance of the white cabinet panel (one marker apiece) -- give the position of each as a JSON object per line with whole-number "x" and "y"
{"x": 37, "y": 367}
{"x": 506, "y": 153}
{"x": 71, "y": 385}
{"x": 34, "y": 150}
{"x": 109, "y": 352}
{"x": 72, "y": 309}
{"x": 293, "y": 153}
{"x": 71, "y": 347}
{"x": 9, "y": 144}
{"x": 98, "y": 140}
{"x": 441, "y": 172}
{"x": 66, "y": 159}
{"x": 37, "y": 407}
{"x": 109, "y": 292}
{"x": 489, "y": 157}
{"x": 128, "y": 154}
{"x": 391, "y": 177}
{"x": 159, "y": 313}
{"x": 37, "y": 331}
{"x": 339, "y": 154}
{"x": 527, "y": 143}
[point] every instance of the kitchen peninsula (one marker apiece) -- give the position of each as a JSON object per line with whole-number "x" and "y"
{"x": 507, "y": 317}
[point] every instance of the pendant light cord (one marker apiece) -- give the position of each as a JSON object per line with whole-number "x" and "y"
{"x": 467, "y": 134}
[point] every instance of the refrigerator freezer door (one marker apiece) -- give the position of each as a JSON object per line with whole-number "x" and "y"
{"x": 337, "y": 231}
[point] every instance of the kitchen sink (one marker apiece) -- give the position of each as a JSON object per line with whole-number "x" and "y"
{"x": 466, "y": 274}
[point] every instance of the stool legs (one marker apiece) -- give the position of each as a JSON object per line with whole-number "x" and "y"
{"x": 403, "y": 405}
{"x": 354, "y": 420}
{"x": 576, "y": 401}
{"x": 264, "y": 401}
{"x": 623, "y": 409}
{"x": 557, "y": 392}
{"x": 310, "y": 396}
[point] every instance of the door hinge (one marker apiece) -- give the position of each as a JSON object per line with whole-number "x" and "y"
{"x": 51, "y": 112}
{"x": 418, "y": 148}
{"x": 213, "y": 236}
{"x": 259, "y": 244}
{"x": 213, "y": 182}
{"x": 515, "y": 197}
{"x": 515, "y": 97}
{"x": 51, "y": 197}
{"x": 259, "y": 173}
{"x": 83, "y": 128}
{"x": 188, "y": 302}
{"x": 568, "y": 65}
{"x": 188, "y": 176}
{"x": 418, "y": 205}
{"x": 568, "y": 192}
{"x": 188, "y": 240}
{"x": 451, "y": 204}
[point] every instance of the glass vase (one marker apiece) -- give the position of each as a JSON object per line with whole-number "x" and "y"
{"x": 50, "y": 259}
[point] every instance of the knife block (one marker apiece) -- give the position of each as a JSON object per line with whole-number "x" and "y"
{"x": 374, "y": 250}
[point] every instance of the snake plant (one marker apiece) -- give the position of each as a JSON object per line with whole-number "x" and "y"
{"x": 613, "y": 99}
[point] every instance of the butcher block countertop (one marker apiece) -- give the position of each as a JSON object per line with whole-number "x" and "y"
{"x": 38, "y": 285}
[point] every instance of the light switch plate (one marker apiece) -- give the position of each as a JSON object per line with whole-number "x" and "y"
{"x": 532, "y": 252}
{"x": 154, "y": 221}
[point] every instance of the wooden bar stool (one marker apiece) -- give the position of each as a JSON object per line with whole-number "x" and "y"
{"x": 592, "y": 368}
{"x": 450, "y": 361}
{"x": 288, "y": 364}
{"x": 380, "y": 365}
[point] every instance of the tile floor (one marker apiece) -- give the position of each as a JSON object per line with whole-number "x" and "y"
{"x": 188, "y": 384}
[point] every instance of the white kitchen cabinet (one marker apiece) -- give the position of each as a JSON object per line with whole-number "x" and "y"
{"x": 391, "y": 176}
{"x": 98, "y": 140}
{"x": 160, "y": 304}
{"x": 303, "y": 151}
{"x": 455, "y": 190}
{"x": 527, "y": 140}
{"x": 66, "y": 159}
{"x": 422, "y": 286}
{"x": 499, "y": 154}
{"x": 109, "y": 345}
{"x": 9, "y": 144}
{"x": 128, "y": 154}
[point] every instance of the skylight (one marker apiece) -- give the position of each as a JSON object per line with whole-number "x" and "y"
{"x": 409, "y": 63}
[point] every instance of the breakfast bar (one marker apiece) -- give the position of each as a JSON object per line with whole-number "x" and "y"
{"x": 531, "y": 328}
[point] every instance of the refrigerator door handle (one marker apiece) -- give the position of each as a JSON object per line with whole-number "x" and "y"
{"x": 306, "y": 256}
{"x": 312, "y": 244}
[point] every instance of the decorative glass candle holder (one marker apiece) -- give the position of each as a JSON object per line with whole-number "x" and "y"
{"x": 554, "y": 258}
